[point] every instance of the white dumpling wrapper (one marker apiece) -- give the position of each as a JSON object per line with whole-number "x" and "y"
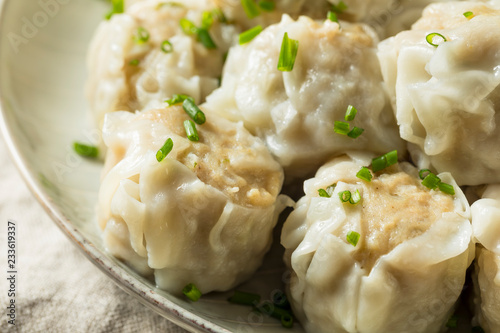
{"x": 412, "y": 288}
{"x": 444, "y": 97}
{"x": 177, "y": 226}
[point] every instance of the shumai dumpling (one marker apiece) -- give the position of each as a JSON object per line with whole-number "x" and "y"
{"x": 405, "y": 271}
{"x": 132, "y": 67}
{"x": 203, "y": 215}
{"x": 294, "y": 112}
{"x": 446, "y": 92}
{"x": 486, "y": 228}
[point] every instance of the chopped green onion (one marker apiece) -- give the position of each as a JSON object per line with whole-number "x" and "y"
{"x": 192, "y": 292}
{"x": 250, "y": 8}
{"x": 250, "y": 34}
{"x": 345, "y": 196}
{"x": 165, "y": 150}
{"x": 219, "y": 15}
{"x": 446, "y": 188}
{"x": 85, "y": 150}
{"x": 384, "y": 161}
{"x": 267, "y": 6}
{"x": 350, "y": 114}
{"x": 353, "y": 238}
{"x": 469, "y": 15}
{"x": 332, "y": 17}
{"x": 355, "y": 132}
{"x": 341, "y": 127}
{"x": 452, "y": 322}
{"x": 355, "y": 198}
{"x": 431, "y": 181}
{"x": 323, "y": 193}
{"x": 176, "y": 99}
{"x": 364, "y": 174}
{"x": 340, "y": 8}
{"x": 330, "y": 189}
{"x": 134, "y": 62}
{"x": 271, "y": 310}
{"x": 117, "y": 8}
{"x": 477, "y": 329}
{"x": 167, "y": 47}
{"x": 191, "y": 131}
{"x": 244, "y": 298}
{"x": 288, "y": 53}
{"x": 188, "y": 27}
{"x": 206, "y": 20}
{"x": 193, "y": 111}
{"x": 430, "y": 38}
{"x": 170, "y": 4}
{"x": 205, "y": 38}
{"x": 287, "y": 321}
{"x": 141, "y": 35}
{"x": 423, "y": 173}
{"x": 280, "y": 300}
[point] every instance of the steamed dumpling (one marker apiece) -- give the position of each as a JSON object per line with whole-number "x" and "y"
{"x": 129, "y": 75}
{"x": 412, "y": 255}
{"x": 446, "y": 98}
{"x": 203, "y": 215}
{"x": 486, "y": 227}
{"x": 294, "y": 112}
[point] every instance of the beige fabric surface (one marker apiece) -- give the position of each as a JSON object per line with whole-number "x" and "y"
{"x": 58, "y": 289}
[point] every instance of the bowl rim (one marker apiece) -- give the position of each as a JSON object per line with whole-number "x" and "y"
{"x": 147, "y": 296}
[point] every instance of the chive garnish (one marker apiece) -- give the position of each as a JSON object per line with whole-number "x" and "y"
{"x": 176, "y": 99}
{"x": 250, "y": 34}
{"x": 207, "y": 20}
{"x": 353, "y": 237}
{"x": 423, "y": 173}
{"x": 134, "y": 62}
{"x": 431, "y": 181}
{"x": 192, "y": 292}
{"x": 193, "y": 111}
{"x": 384, "y": 161}
{"x": 244, "y": 298}
{"x": 345, "y": 196}
{"x": 288, "y": 53}
{"x": 287, "y": 321}
{"x": 355, "y": 198}
{"x": 141, "y": 35}
{"x": 85, "y": 150}
{"x": 430, "y": 38}
{"x": 355, "y": 132}
{"x": 117, "y": 8}
{"x": 191, "y": 132}
{"x": 280, "y": 300}
{"x": 446, "y": 188}
{"x": 188, "y": 27}
{"x": 468, "y": 15}
{"x": 167, "y": 47}
{"x": 452, "y": 322}
{"x": 332, "y": 16}
{"x": 250, "y": 8}
{"x": 339, "y": 8}
{"x": 364, "y": 174}
{"x": 205, "y": 38}
{"x": 267, "y": 6}
{"x": 165, "y": 150}
{"x": 322, "y": 193}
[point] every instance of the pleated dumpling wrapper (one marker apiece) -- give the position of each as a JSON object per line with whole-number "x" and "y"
{"x": 202, "y": 215}
{"x": 446, "y": 96}
{"x": 405, "y": 271}
{"x": 139, "y": 58}
{"x": 486, "y": 228}
{"x": 295, "y": 111}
